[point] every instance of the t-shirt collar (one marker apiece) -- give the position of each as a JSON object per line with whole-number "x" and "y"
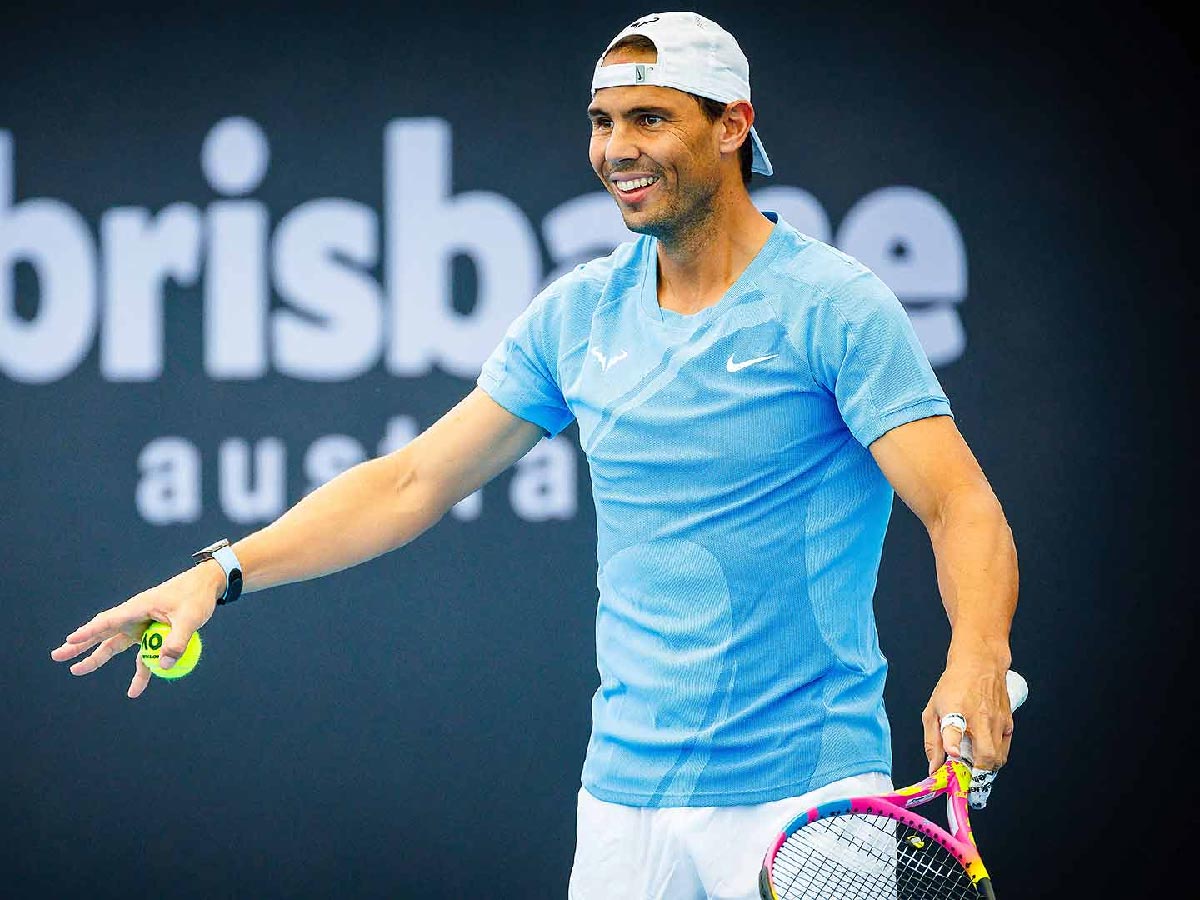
{"x": 648, "y": 298}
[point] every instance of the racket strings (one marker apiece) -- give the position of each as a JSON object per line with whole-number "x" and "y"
{"x": 866, "y": 857}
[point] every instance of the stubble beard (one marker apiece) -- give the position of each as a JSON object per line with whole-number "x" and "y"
{"x": 681, "y": 219}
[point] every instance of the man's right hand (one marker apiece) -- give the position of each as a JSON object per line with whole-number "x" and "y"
{"x": 184, "y": 602}
{"x": 372, "y": 508}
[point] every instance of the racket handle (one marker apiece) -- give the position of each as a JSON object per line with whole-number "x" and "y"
{"x": 981, "y": 779}
{"x": 1018, "y": 689}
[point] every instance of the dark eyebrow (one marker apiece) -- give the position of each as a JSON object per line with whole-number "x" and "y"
{"x": 595, "y": 112}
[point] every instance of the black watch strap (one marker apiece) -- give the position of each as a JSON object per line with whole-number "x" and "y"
{"x": 223, "y": 554}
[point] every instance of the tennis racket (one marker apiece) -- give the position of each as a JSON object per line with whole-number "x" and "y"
{"x": 877, "y": 848}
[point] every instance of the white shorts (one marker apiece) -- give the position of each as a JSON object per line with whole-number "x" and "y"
{"x": 687, "y": 852}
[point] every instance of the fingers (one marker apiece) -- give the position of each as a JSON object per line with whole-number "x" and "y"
{"x": 984, "y": 724}
{"x": 102, "y": 626}
{"x": 141, "y": 678}
{"x": 991, "y": 729}
{"x": 185, "y": 602}
{"x": 1001, "y": 740}
{"x": 182, "y": 628}
{"x": 952, "y": 732}
{"x": 934, "y": 750}
{"x": 986, "y": 743}
{"x": 70, "y": 650}
{"x": 106, "y": 651}
{"x": 988, "y": 750}
{"x": 1006, "y": 741}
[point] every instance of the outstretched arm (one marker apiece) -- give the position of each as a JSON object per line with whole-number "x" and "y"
{"x": 933, "y": 470}
{"x": 375, "y": 507}
{"x": 385, "y": 503}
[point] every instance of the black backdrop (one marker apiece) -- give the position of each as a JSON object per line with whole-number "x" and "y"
{"x": 415, "y": 727}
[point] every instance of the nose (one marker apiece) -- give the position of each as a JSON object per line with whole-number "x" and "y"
{"x": 621, "y": 145}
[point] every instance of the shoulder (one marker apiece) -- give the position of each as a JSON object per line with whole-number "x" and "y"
{"x": 620, "y": 270}
{"x": 817, "y": 278}
{"x": 572, "y": 298}
{"x": 563, "y": 310}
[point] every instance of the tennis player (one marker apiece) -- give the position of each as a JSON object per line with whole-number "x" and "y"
{"x": 748, "y": 399}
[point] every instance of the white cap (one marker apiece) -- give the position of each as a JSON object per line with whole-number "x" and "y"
{"x": 695, "y": 55}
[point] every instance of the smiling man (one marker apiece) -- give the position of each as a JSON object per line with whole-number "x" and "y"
{"x": 770, "y": 395}
{"x": 748, "y": 399}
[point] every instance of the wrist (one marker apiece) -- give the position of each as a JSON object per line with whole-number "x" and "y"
{"x": 231, "y": 567}
{"x": 979, "y": 649}
{"x": 212, "y": 577}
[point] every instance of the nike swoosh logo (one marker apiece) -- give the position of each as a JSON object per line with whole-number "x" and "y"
{"x": 731, "y": 366}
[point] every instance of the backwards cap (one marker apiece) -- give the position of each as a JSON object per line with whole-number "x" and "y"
{"x": 695, "y": 55}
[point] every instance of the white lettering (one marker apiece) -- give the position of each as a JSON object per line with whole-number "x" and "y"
{"x": 252, "y": 477}
{"x": 799, "y": 208}
{"x": 53, "y": 239}
{"x": 168, "y": 490}
{"x": 325, "y": 257}
{"x": 330, "y": 456}
{"x": 235, "y": 291}
{"x": 582, "y": 229}
{"x": 912, "y": 242}
{"x": 543, "y": 485}
{"x": 320, "y": 253}
{"x": 246, "y": 495}
{"x": 234, "y": 157}
{"x": 140, "y": 254}
{"x": 469, "y": 508}
{"x": 427, "y": 227}
{"x": 939, "y": 328}
{"x": 400, "y": 431}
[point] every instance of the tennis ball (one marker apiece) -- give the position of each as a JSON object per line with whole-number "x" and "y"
{"x": 152, "y": 641}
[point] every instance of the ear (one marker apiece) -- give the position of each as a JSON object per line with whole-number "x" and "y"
{"x": 735, "y": 125}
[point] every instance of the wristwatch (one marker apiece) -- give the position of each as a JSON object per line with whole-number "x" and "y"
{"x": 224, "y": 555}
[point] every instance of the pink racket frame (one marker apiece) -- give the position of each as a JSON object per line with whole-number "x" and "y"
{"x": 952, "y": 780}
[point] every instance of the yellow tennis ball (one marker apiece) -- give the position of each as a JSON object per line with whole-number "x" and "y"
{"x": 152, "y": 642}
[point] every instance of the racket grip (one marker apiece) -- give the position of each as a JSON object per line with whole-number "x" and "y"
{"x": 981, "y": 779}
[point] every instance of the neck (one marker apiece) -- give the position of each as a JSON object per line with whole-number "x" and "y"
{"x": 698, "y": 264}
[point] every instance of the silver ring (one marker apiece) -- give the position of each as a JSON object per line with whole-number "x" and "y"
{"x": 955, "y": 720}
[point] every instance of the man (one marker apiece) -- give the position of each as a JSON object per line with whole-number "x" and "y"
{"x": 748, "y": 398}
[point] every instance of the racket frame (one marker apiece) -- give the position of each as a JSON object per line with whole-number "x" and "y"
{"x": 952, "y": 780}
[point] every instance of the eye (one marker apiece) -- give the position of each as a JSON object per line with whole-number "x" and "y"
{"x": 651, "y": 119}
{"x": 599, "y": 123}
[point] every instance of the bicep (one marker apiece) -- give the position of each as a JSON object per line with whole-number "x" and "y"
{"x": 927, "y": 462}
{"x": 467, "y": 447}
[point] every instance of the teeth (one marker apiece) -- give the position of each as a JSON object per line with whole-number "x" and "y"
{"x": 636, "y": 183}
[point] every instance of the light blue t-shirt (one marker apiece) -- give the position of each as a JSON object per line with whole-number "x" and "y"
{"x": 740, "y": 517}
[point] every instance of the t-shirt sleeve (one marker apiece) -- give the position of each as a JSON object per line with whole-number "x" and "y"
{"x": 522, "y": 372}
{"x": 867, "y": 354}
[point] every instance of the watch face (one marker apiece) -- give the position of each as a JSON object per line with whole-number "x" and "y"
{"x": 211, "y": 549}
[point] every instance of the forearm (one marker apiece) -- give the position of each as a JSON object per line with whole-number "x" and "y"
{"x": 366, "y": 511}
{"x": 976, "y": 573}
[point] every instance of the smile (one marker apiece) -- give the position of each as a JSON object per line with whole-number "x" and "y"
{"x": 637, "y": 184}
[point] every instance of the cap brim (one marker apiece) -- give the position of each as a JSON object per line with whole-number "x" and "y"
{"x": 761, "y": 162}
